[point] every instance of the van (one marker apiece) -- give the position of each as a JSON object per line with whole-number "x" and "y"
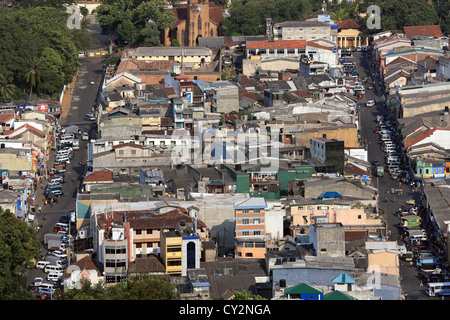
{"x": 68, "y": 136}
{"x": 45, "y": 285}
{"x": 54, "y": 276}
{"x": 62, "y": 158}
{"x": 61, "y": 263}
{"x": 63, "y": 226}
{"x": 42, "y": 264}
{"x": 49, "y": 268}
{"x": 59, "y": 179}
{"x": 389, "y": 148}
{"x": 63, "y": 152}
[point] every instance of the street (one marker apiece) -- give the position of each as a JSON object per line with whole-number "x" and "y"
{"x": 410, "y": 281}
{"x": 84, "y": 98}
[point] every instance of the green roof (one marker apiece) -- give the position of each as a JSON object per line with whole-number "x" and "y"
{"x": 302, "y": 288}
{"x": 337, "y": 295}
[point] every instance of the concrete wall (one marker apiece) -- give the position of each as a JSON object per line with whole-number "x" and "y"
{"x": 249, "y": 67}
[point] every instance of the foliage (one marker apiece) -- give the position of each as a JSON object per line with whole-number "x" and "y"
{"x": 110, "y": 59}
{"x": 140, "y": 287}
{"x": 135, "y": 21}
{"x": 248, "y": 17}
{"x": 396, "y": 14}
{"x": 244, "y": 295}
{"x": 25, "y": 35}
{"x": 18, "y": 245}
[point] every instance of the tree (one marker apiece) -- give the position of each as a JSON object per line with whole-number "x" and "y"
{"x": 26, "y": 33}
{"x": 127, "y": 32}
{"x": 6, "y": 89}
{"x": 18, "y": 245}
{"x": 248, "y": 17}
{"x": 138, "y": 287}
{"x": 150, "y": 35}
{"x": 112, "y": 13}
{"x": 33, "y": 74}
{"x": 244, "y": 295}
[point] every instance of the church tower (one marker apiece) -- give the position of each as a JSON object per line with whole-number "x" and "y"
{"x": 198, "y": 24}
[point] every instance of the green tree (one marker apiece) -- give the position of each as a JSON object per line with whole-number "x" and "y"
{"x": 139, "y": 287}
{"x": 244, "y": 295}
{"x": 33, "y": 74}
{"x": 127, "y": 32}
{"x": 18, "y": 245}
{"x": 6, "y": 89}
{"x": 150, "y": 35}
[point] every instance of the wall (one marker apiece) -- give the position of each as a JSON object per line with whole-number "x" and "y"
{"x": 348, "y": 134}
{"x": 387, "y": 262}
{"x": 249, "y": 66}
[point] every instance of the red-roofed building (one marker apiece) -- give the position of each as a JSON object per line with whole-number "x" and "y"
{"x": 197, "y": 18}
{"x": 423, "y": 31}
{"x": 275, "y": 49}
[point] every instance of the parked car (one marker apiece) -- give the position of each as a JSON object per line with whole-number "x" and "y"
{"x": 45, "y": 291}
{"x": 64, "y": 219}
{"x": 92, "y": 82}
{"x": 59, "y": 254}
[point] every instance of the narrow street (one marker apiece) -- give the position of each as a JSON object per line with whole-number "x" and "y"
{"x": 80, "y": 99}
{"x": 410, "y": 282}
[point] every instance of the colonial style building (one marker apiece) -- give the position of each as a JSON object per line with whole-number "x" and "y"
{"x": 197, "y": 18}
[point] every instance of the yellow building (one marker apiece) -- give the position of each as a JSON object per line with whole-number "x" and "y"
{"x": 349, "y": 35}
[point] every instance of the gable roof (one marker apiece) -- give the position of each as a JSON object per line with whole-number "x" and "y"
{"x": 302, "y": 288}
{"x": 348, "y": 24}
{"x": 424, "y": 31}
{"x": 343, "y": 278}
{"x": 337, "y": 295}
{"x": 128, "y": 144}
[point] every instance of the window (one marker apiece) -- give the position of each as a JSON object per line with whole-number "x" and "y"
{"x": 245, "y": 211}
{"x": 256, "y": 221}
{"x": 322, "y": 207}
{"x": 120, "y": 151}
{"x": 256, "y": 210}
{"x": 199, "y": 22}
{"x": 245, "y": 233}
{"x": 133, "y": 151}
{"x": 359, "y": 216}
{"x": 256, "y": 233}
{"x": 245, "y": 221}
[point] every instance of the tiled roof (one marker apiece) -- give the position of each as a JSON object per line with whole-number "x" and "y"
{"x": 426, "y": 31}
{"x": 281, "y": 44}
{"x": 348, "y": 24}
{"x": 98, "y": 176}
{"x": 5, "y": 117}
{"x": 316, "y": 45}
{"x": 85, "y": 263}
{"x": 128, "y": 144}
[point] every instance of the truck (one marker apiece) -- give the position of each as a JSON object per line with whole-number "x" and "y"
{"x": 380, "y": 171}
{"x": 54, "y": 245}
{"x": 410, "y": 221}
{"x": 52, "y": 236}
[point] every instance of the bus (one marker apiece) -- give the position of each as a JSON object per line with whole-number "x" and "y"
{"x": 438, "y": 288}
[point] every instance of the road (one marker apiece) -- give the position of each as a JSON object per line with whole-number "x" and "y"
{"x": 410, "y": 281}
{"x": 84, "y": 98}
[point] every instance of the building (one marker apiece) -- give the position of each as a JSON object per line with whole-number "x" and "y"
{"x": 328, "y": 239}
{"x": 349, "y": 34}
{"x": 197, "y": 18}
{"x": 330, "y": 152}
{"x": 299, "y": 30}
{"x": 250, "y": 228}
{"x": 338, "y": 211}
{"x": 192, "y": 57}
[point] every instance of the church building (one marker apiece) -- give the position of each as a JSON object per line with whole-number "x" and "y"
{"x": 197, "y": 18}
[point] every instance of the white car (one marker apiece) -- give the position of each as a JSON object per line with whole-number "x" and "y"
{"x": 45, "y": 291}
{"x": 38, "y": 281}
{"x": 59, "y": 254}
{"x": 85, "y": 136}
{"x": 92, "y": 82}
{"x": 370, "y": 103}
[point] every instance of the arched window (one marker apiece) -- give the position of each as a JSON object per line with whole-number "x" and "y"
{"x": 190, "y": 254}
{"x": 199, "y": 22}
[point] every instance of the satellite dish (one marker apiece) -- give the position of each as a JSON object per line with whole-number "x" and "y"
{"x": 199, "y": 9}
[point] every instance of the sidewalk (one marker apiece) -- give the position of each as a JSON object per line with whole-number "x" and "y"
{"x": 67, "y": 99}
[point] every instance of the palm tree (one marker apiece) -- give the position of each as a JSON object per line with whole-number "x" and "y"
{"x": 340, "y": 14}
{"x": 6, "y": 89}
{"x": 33, "y": 74}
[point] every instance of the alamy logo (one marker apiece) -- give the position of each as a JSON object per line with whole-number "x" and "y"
{"x": 374, "y": 20}
{"x": 74, "y": 21}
